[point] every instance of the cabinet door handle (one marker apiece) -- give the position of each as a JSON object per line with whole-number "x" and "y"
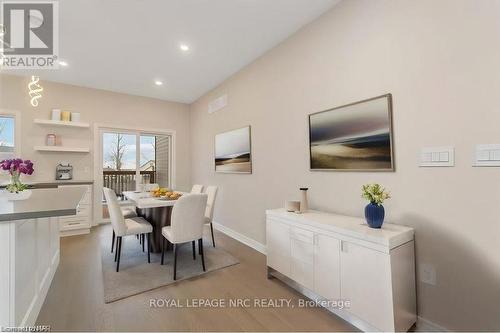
{"x": 343, "y": 246}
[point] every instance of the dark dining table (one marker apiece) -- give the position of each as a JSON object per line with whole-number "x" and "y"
{"x": 156, "y": 211}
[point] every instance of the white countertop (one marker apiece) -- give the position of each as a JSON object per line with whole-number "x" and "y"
{"x": 65, "y": 182}
{"x": 390, "y": 235}
{"x": 52, "y": 183}
{"x": 47, "y": 202}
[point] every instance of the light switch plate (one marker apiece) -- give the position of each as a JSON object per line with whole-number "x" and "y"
{"x": 437, "y": 157}
{"x": 487, "y": 155}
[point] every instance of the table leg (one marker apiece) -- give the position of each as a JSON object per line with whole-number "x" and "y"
{"x": 159, "y": 218}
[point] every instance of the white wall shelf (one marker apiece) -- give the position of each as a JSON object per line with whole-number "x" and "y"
{"x": 62, "y": 149}
{"x": 59, "y": 123}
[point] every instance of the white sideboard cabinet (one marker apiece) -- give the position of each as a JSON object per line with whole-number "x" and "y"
{"x": 339, "y": 258}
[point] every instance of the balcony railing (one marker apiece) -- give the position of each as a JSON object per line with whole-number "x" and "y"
{"x": 125, "y": 180}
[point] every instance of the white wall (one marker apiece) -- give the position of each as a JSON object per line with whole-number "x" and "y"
{"x": 96, "y": 107}
{"x": 440, "y": 60}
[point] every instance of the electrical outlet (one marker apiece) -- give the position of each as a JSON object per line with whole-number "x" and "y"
{"x": 428, "y": 274}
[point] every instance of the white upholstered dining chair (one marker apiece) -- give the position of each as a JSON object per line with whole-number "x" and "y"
{"x": 125, "y": 227}
{"x": 197, "y": 189}
{"x": 148, "y": 187}
{"x": 128, "y": 212}
{"x": 186, "y": 226}
{"x": 211, "y": 192}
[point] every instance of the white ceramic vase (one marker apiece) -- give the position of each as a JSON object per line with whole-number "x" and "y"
{"x": 13, "y": 196}
{"x": 304, "y": 205}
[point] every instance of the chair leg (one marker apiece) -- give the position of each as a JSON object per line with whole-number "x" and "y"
{"x": 175, "y": 262}
{"x": 119, "y": 251}
{"x": 163, "y": 246}
{"x": 149, "y": 248}
{"x": 142, "y": 238}
{"x": 113, "y": 242}
{"x": 200, "y": 244}
{"x": 212, "y": 231}
{"x": 116, "y": 248}
{"x": 194, "y": 250}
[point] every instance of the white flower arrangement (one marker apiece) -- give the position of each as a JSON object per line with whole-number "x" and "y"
{"x": 375, "y": 193}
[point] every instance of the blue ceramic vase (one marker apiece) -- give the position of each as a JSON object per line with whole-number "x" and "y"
{"x": 374, "y": 215}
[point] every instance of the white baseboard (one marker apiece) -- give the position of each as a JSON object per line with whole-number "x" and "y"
{"x": 424, "y": 325}
{"x": 37, "y": 302}
{"x": 241, "y": 238}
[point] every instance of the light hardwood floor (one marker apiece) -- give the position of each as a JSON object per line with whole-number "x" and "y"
{"x": 75, "y": 299}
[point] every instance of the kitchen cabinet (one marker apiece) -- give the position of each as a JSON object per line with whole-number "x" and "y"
{"x": 80, "y": 223}
{"x": 30, "y": 251}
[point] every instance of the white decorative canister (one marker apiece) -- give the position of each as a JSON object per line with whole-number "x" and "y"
{"x": 304, "y": 205}
{"x": 56, "y": 114}
{"x": 75, "y": 116}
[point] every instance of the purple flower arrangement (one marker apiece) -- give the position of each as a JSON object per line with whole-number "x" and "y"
{"x": 16, "y": 167}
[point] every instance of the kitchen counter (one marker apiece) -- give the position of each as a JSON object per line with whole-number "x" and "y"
{"x": 30, "y": 250}
{"x": 47, "y": 202}
{"x": 54, "y": 183}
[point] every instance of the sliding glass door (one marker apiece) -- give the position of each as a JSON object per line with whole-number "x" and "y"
{"x": 130, "y": 158}
{"x": 155, "y": 159}
{"x": 119, "y": 161}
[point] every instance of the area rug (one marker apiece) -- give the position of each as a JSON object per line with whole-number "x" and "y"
{"x": 137, "y": 276}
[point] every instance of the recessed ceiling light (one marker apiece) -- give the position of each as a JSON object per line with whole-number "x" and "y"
{"x": 63, "y": 63}
{"x": 184, "y": 47}
{"x": 158, "y": 82}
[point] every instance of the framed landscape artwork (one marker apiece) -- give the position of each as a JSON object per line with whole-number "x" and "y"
{"x": 353, "y": 137}
{"x": 233, "y": 151}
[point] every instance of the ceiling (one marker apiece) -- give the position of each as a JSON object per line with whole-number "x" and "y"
{"x": 125, "y": 45}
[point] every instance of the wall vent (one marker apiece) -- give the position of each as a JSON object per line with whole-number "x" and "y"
{"x": 217, "y": 104}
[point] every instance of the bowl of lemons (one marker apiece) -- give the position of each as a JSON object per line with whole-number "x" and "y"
{"x": 166, "y": 194}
